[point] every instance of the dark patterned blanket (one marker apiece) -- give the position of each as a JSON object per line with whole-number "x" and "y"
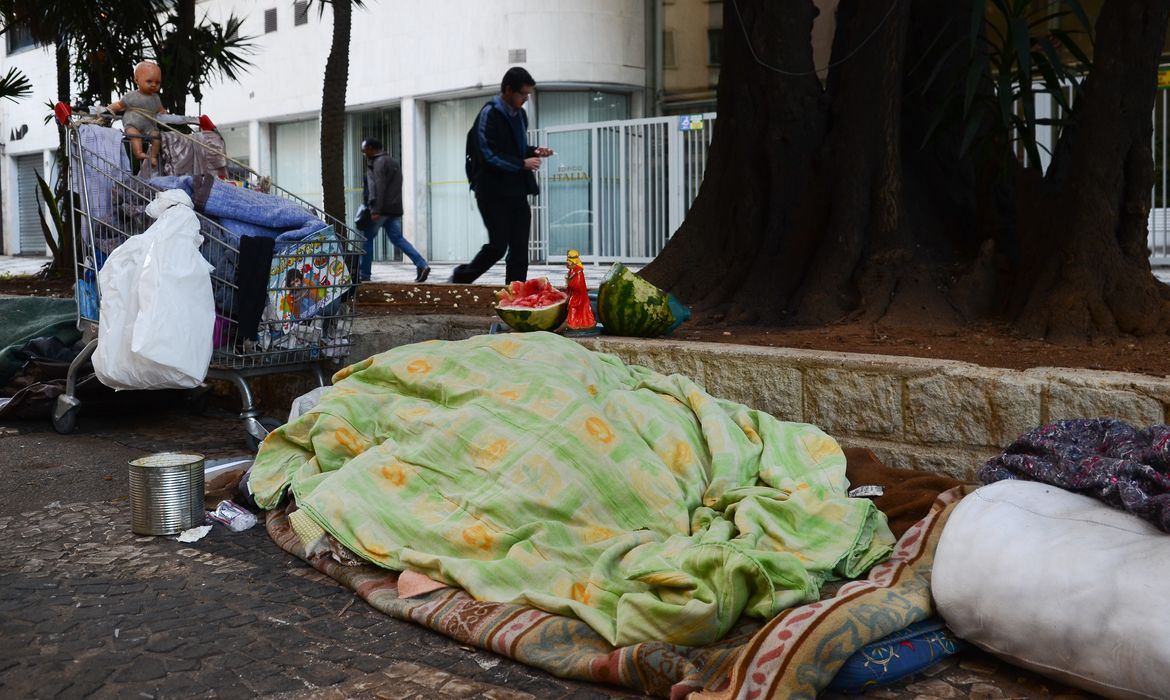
{"x": 1108, "y": 459}
{"x": 794, "y": 655}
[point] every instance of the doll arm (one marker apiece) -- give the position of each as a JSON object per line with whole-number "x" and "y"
{"x": 116, "y": 107}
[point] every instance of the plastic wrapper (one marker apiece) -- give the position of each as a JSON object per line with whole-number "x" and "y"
{"x": 236, "y": 518}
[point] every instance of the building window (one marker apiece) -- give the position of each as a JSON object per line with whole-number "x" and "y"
{"x": 19, "y": 38}
{"x": 714, "y": 47}
{"x": 270, "y": 20}
{"x": 300, "y": 12}
{"x": 668, "y": 49}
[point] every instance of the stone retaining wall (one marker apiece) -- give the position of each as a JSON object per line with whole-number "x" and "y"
{"x": 937, "y": 415}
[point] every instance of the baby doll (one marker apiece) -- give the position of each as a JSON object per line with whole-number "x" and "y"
{"x": 136, "y": 105}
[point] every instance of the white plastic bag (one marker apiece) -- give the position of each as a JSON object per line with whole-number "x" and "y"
{"x": 157, "y": 313}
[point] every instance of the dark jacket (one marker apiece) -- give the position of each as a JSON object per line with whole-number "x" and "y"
{"x": 503, "y": 142}
{"x": 384, "y": 186}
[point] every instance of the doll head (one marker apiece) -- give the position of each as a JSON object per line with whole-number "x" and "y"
{"x": 148, "y": 77}
{"x": 573, "y": 259}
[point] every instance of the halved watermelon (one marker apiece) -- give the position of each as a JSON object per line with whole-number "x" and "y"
{"x": 629, "y": 305}
{"x": 534, "y": 305}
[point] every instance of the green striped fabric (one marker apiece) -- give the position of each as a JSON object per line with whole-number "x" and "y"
{"x": 527, "y": 469}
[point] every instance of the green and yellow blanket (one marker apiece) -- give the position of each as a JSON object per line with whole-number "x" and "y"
{"x": 526, "y": 469}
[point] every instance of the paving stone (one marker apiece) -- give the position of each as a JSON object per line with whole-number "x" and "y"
{"x": 274, "y": 683}
{"x": 163, "y": 643}
{"x": 176, "y": 665}
{"x": 367, "y": 664}
{"x": 146, "y": 668}
{"x": 322, "y": 675}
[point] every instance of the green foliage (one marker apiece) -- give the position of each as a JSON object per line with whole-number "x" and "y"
{"x": 1015, "y": 54}
{"x": 208, "y": 50}
{"x": 14, "y": 85}
{"x": 107, "y": 38}
{"x": 63, "y": 251}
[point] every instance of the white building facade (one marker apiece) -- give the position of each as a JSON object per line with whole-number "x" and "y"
{"x": 419, "y": 71}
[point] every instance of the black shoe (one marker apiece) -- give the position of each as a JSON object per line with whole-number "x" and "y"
{"x": 423, "y": 273}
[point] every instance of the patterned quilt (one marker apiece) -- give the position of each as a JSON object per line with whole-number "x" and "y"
{"x": 795, "y": 655}
{"x": 1106, "y": 458}
{"x": 527, "y": 470}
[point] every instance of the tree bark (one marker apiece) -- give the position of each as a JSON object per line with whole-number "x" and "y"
{"x": 769, "y": 127}
{"x": 822, "y": 204}
{"x": 182, "y": 60}
{"x": 333, "y": 112}
{"x": 1086, "y": 268}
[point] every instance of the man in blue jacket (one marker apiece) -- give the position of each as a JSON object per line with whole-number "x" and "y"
{"x": 505, "y": 181}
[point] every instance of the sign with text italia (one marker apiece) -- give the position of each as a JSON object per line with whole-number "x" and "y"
{"x": 1164, "y": 78}
{"x": 690, "y": 122}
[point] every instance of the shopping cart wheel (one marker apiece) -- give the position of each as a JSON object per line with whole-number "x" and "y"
{"x": 269, "y": 424}
{"x": 65, "y": 422}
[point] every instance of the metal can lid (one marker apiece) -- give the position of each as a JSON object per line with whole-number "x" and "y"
{"x": 166, "y": 459}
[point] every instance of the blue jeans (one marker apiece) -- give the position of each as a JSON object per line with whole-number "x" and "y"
{"x": 393, "y": 226}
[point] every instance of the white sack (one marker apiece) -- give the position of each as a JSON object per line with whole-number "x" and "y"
{"x": 157, "y": 313}
{"x": 1059, "y": 583}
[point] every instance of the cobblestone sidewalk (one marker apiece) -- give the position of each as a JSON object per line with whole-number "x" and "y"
{"x": 90, "y": 610}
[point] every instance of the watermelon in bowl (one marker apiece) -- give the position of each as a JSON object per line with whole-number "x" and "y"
{"x": 534, "y": 305}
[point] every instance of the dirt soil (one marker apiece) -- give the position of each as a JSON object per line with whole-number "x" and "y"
{"x": 988, "y": 345}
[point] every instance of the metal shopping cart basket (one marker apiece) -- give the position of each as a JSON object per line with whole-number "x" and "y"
{"x": 285, "y": 301}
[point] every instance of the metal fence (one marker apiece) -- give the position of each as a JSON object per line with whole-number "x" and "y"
{"x": 617, "y": 190}
{"x": 1159, "y": 232}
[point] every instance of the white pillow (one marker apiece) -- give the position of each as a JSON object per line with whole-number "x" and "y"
{"x": 1061, "y": 584}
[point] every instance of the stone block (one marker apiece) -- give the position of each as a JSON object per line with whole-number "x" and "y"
{"x": 971, "y": 407}
{"x": 1071, "y": 401}
{"x": 960, "y": 464}
{"x": 757, "y": 382}
{"x": 842, "y": 401}
{"x": 663, "y": 357}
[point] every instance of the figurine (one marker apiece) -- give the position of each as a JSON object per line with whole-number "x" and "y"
{"x": 581, "y": 320}
{"x": 135, "y": 106}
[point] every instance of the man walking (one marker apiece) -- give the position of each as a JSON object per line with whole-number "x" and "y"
{"x": 506, "y": 179}
{"x": 383, "y": 195}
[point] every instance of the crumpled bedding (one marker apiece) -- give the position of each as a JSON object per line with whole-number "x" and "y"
{"x": 527, "y": 469}
{"x": 243, "y": 211}
{"x": 1105, "y": 458}
{"x": 243, "y": 214}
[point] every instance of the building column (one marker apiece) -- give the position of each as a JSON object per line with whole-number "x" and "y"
{"x": 259, "y": 149}
{"x": 415, "y": 196}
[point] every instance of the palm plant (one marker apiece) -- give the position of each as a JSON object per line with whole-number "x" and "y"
{"x": 14, "y": 85}
{"x": 106, "y": 38}
{"x": 1016, "y": 54}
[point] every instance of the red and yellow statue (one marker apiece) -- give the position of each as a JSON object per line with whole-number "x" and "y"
{"x": 581, "y": 320}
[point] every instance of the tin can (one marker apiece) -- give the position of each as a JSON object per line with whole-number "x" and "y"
{"x": 166, "y": 493}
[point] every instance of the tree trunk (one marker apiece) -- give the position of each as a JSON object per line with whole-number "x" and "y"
{"x": 821, "y": 204}
{"x": 333, "y": 112}
{"x": 803, "y": 204}
{"x": 1086, "y": 268}
{"x": 769, "y": 127}
{"x": 181, "y": 60}
{"x": 63, "y": 262}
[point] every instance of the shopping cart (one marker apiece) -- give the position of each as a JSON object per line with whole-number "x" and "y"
{"x": 284, "y": 303}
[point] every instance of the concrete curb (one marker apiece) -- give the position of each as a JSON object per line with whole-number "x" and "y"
{"x": 941, "y": 416}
